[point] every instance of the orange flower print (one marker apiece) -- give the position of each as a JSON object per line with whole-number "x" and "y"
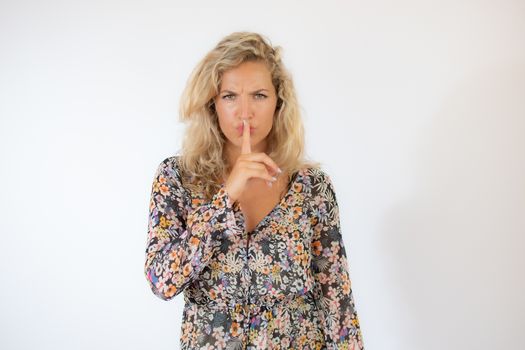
{"x": 234, "y": 329}
{"x": 213, "y": 294}
{"x": 317, "y": 248}
{"x": 302, "y": 340}
{"x": 195, "y": 202}
{"x": 194, "y": 241}
{"x": 171, "y": 291}
{"x": 345, "y": 288}
{"x": 164, "y": 190}
{"x": 297, "y": 211}
{"x": 186, "y": 270}
{"x": 219, "y": 203}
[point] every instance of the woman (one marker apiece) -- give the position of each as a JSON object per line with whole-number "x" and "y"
{"x": 241, "y": 222}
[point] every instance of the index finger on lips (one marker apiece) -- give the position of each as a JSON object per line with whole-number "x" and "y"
{"x": 246, "y": 148}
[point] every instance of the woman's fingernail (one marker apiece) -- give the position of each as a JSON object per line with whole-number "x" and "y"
{"x": 274, "y": 178}
{"x": 269, "y": 183}
{"x": 279, "y": 170}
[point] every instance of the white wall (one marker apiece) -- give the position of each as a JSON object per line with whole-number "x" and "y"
{"x": 416, "y": 109}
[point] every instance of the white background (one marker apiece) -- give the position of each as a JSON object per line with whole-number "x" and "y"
{"x": 415, "y": 108}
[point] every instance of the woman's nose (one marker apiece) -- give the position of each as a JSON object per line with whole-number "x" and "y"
{"x": 245, "y": 108}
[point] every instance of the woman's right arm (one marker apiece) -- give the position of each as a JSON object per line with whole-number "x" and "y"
{"x": 181, "y": 243}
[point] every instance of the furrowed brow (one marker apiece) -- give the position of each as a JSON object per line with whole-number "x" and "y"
{"x": 253, "y": 92}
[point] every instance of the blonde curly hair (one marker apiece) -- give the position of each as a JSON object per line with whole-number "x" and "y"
{"x": 202, "y": 162}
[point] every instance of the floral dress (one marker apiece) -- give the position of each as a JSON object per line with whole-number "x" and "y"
{"x": 284, "y": 285}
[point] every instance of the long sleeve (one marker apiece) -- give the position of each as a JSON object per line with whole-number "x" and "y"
{"x": 181, "y": 241}
{"x": 332, "y": 288}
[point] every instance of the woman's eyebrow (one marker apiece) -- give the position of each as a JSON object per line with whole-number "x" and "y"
{"x": 253, "y": 92}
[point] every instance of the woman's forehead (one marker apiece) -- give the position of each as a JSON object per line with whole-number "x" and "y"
{"x": 248, "y": 75}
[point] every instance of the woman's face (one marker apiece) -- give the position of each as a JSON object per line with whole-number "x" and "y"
{"x": 246, "y": 92}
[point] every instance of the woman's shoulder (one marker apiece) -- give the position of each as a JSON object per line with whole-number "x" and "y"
{"x": 320, "y": 183}
{"x": 170, "y": 167}
{"x": 317, "y": 174}
{"x": 171, "y": 160}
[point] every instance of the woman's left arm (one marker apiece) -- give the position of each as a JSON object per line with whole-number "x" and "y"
{"x": 332, "y": 288}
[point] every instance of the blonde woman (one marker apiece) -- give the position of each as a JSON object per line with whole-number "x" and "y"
{"x": 241, "y": 222}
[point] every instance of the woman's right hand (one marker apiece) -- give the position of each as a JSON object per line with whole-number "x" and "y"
{"x": 249, "y": 165}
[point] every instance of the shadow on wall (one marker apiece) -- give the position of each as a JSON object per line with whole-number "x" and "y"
{"x": 456, "y": 247}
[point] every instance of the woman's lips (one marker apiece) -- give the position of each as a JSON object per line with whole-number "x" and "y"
{"x": 240, "y": 129}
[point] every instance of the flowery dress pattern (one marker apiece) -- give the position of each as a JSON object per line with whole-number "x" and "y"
{"x": 284, "y": 285}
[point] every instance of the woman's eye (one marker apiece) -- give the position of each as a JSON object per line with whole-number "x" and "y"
{"x": 231, "y": 96}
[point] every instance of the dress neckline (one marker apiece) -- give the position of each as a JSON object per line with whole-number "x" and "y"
{"x": 279, "y": 205}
